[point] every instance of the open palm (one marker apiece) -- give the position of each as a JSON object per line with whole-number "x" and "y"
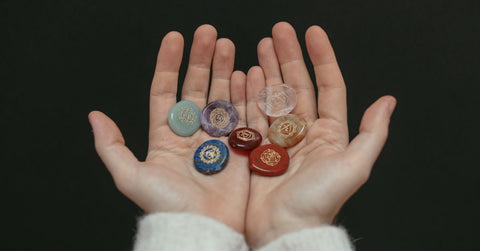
{"x": 166, "y": 181}
{"x": 325, "y": 169}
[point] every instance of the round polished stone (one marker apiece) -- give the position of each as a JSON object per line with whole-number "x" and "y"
{"x": 211, "y": 157}
{"x": 184, "y": 118}
{"x": 277, "y": 100}
{"x": 287, "y": 130}
{"x": 269, "y": 160}
{"x": 244, "y": 139}
{"x": 219, "y": 118}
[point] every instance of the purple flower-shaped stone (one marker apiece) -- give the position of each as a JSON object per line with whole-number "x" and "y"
{"x": 219, "y": 118}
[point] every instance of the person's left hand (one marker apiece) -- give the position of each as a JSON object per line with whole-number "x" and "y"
{"x": 325, "y": 168}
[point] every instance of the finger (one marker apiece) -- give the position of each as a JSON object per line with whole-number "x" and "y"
{"x": 238, "y": 94}
{"x": 332, "y": 96}
{"x": 294, "y": 71}
{"x": 163, "y": 92}
{"x": 256, "y": 119}
{"x": 195, "y": 86}
{"x": 222, "y": 68}
{"x": 111, "y": 148}
{"x": 367, "y": 145}
{"x": 269, "y": 62}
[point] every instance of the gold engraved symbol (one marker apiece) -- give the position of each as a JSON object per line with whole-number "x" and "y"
{"x": 245, "y": 135}
{"x": 210, "y": 154}
{"x": 287, "y": 128}
{"x": 186, "y": 115}
{"x": 219, "y": 118}
{"x": 270, "y": 157}
{"x": 278, "y": 100}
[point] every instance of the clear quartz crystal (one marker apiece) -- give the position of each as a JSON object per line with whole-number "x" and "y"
{"x": 277, "y": 100}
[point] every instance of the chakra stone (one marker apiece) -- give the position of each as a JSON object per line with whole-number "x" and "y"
{"x": 211, "y": 157}
{"x": 269, "y": 160}
{"x": 184, "y": 118}
{"x": 277, "y": 100}
{"x": 219, "y": 118}
{"x": 287, "y": 131}
{"x": 244, "y": 139}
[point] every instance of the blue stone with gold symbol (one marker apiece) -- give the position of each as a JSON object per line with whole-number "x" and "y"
{"x": 211, "y": 157}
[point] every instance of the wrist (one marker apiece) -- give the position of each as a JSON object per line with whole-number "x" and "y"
{"x": 233, "y": 221}
{"x": 228, "y": 214}
{"x": 280, "y": 223}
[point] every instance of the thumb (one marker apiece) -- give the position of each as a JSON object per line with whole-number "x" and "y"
{"x": 111, "y": 148}
{"x": 367, "y": 145}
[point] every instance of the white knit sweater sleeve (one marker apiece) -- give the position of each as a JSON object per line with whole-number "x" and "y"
{"x": 180, "y": 231}
{"x": 322, "y": 238}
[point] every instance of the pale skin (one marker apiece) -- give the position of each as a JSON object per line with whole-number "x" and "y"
{"x": 325, "y": 168}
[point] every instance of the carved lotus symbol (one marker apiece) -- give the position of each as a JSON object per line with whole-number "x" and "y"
{"x": 287, "y": 128}
{"x": 210, "y": 154}
{"x": 270, "y": 157}
{"x": 186, "y": 115}
{"x": 245, "y": 135}
{"x": 219, "y": 118}
{"x": 277, "y": 101}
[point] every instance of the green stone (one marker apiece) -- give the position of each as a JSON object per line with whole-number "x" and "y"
{"x": 184, "y": 118}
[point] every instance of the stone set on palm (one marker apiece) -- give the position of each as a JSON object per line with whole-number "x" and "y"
{"x": 220, "y": 117}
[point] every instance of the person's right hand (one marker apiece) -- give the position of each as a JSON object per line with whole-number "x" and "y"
{"x": 325, "y": 168}
{"x": 167, "y": 181}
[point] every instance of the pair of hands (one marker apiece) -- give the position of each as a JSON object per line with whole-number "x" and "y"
{"x": 325, "y": 168}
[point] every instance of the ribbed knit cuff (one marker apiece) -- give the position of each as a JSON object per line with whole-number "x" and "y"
{"x": 180, "y": 231}
{"x": 321, "y": 238}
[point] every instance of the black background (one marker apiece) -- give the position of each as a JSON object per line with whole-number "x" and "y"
{"x": 61, "y": 59}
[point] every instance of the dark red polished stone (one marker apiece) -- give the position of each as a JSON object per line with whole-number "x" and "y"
{"x": 244, "y": 139}
{"x": 269, "y": 160}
